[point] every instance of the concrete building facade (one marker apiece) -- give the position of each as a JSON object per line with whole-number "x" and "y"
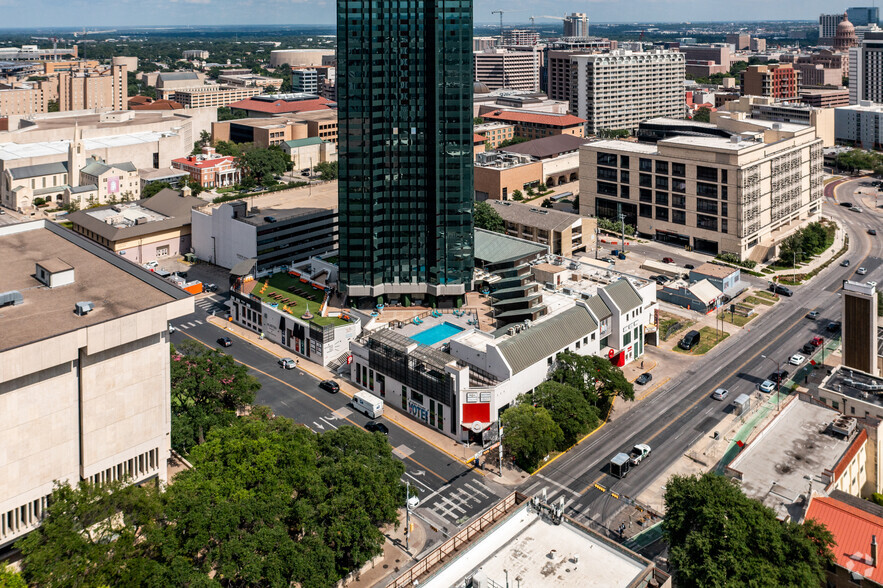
{"x": 739, "y": 41}
{"x": 618, "y": 90}
{"x": 828, "y": 27}
{"x": 859, "y": 124}
{"x": 515, "y": 70}
{"x": 740, "y": 189}
{"x": 866, "y": 70}
{"x": 89, "y": 389}
{"x": 108, "y": 88}
{"x": 213, "y": 95}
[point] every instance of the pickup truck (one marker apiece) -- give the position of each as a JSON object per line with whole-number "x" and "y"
{"x": 638, "y": 453}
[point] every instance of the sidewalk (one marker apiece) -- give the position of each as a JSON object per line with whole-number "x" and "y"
{"x": 443, "y": 443}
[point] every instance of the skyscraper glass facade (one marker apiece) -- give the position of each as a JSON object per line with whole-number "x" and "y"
{"x": 404, "y": 82}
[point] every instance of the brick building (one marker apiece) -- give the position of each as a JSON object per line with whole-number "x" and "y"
{"x": 209, "y": 169}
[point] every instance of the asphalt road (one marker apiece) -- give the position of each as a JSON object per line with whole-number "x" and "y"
{"x": 451, "y": 493}
{"x": 679, "y": 414}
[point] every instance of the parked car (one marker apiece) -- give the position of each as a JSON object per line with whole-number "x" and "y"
{"x": 844, "y": 263}
{"x": 689, "y": 266}
{"x": 182, "y": 275}
{"x": 861, "y": 271}
{"x": 151, "y": 264}
{"x": 813, "y": 315}
{"x": 767, "y": 386}
{"x": 817, "y": 341}
{"x": 690, "y": 340}
{"x": 609, "y": 260}
{"x": 720, "y": 394}
{"x": 846, "y": 204}
{"x": 780, "y": 289}
{"x": 667, "y": 260}
{"x": 330, "y": 386}
{"x": 375, "y": 427}
{"x": 287, "y": 363}
{"x": 306, "y": 171}
{"x": 644, "y": 378}
{"x": 209, "y": 287}
{"x": 2, "y": 212}
{"x": 779, "y": 376}
{"x": 662, "y": 280}
{"x": 225, "y": 342}
{"x": 797, "y": 359}
{"x": 872, "y": 232}
{"x": 270, "y": 219}
{"x": 834, "y": 325}
{"x": 855, "y": 209}
{"x": 808, "y": 348}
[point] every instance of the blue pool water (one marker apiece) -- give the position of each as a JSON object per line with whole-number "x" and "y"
{"x": 437, "y": 333}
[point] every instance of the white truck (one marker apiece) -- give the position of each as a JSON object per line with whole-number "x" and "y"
{"x": 638, "y": 453}
{"x": 368, "y": 404}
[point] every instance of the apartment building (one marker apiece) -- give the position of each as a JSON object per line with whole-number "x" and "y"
{"x": 85, "y": 369}
{"x": 495, "y": 133}
{"x": 860, "y": 125}
{"x": 105, "y": 88}
{"x": 738, "y": 186}
{"x": 213, "y": 95}
{"x": 866, "y": 69}
{"x": 534, "y": 125}
{"x": 779, "y": 80}
{"x": 828, "y": 27}
{"x": 558, "y": 62}
{"x": 565, "y": 233}
{"x": 618, "y": 90}
{"x": 500, "y": 68}
{"x": 24, "y": 99}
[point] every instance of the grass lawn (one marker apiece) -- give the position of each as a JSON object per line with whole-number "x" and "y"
{"x": 735, "y": 319}
{"x": 767, "y": 295}
{"x": 281, "y": 283}
{"x": 756, "y": 301}
{"x": 707, "y": 340}
{"x": 666, "y": 320}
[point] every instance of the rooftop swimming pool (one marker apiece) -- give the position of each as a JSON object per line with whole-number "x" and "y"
{"x": 436, "y": 334}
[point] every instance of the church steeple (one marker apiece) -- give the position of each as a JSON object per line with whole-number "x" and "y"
{"x": 76, "y": 157}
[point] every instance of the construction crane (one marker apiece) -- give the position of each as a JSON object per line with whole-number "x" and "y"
{"x": 500, "y": 12}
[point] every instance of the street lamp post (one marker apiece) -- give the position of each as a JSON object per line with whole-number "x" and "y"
{"x": 778, "y": 379}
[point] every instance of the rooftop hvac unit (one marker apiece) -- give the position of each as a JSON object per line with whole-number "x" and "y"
{"x": 11, "y": 298}
{"x": 83, "y": 308}
{"x": 510, "y": 331}
{"x": 843, "y": 425}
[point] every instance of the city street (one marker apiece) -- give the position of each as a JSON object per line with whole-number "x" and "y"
{"x": 451, "y": 493}
{"x": 680, "y": 413}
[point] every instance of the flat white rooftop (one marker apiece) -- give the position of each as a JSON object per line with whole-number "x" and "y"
{"x": 790, "y": 454}
{"x": 13, "y": 151}
{"x": 541, "y": 554}
{"x": 633, "y": 146}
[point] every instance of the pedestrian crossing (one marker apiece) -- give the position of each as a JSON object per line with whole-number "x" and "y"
{"x": 189, "y": 325}
{"x": 459, "y": 502}
{"x": 211, "y": 304}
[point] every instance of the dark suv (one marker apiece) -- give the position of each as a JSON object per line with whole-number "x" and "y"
{"x": 689, "y": 341}
{"x": 779, "y": 376}
{"x": 780, "y": 290}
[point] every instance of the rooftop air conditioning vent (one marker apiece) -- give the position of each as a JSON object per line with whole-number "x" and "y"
{"x": 11, "y": 298}
{"x": 83, "y": 308}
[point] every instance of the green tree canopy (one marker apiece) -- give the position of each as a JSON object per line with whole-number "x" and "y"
{"x": 226, "y": 113}
{"x": 568, "y": 408}
{"x": 530, "y": 434}
{"x": 487, "y": 218}
{"x": 10, "y": 578}
{"x": 597, "y": 378}
{"x": 327, "y": 170}
{"x": 703, "y": 114}
{"x": 717, "y": 536}
{"x": 263, "y": 164}
{"x": 153, "y": 187}
{"x": 208, "y": 387}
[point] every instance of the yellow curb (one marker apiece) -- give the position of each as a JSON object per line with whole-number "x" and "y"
{"x": 349, "y": 395}
{"x": 589, "y": 434}
{"x": 652, "y": 390}
{"x": 646, "y": 370}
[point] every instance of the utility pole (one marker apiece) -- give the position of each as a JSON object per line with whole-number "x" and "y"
{"x": 622, "y": 227}
{"x": 597, "y": 240}
{"x": 501, "y": 452}
{"x": 407, "y": 515}
{"x": 794, "y": 275}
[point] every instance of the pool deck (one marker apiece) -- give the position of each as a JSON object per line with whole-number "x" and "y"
{"x": 409, "y": 329}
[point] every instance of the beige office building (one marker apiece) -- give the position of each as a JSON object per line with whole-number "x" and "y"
{"x": 24, "y": 99}
{"x": 514, "y": 70}
{"x": 213, "y": 95}
{"x": 107, "y": 88}
{"x": 741, "y": 194}
{"x": 761, "y": 107}
{"x": 618, "y": 90}
{"x": 84, "y": 369}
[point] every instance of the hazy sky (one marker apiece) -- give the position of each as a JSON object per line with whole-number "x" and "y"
{"x": 36, "y": 13}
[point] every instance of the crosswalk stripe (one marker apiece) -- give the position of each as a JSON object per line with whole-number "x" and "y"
{"x": 476, "y": 490}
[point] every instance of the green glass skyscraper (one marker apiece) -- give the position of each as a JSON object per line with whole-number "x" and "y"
{"x": 404, "y": 87}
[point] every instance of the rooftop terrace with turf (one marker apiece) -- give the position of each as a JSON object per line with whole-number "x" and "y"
{"x": 295, "y": 296}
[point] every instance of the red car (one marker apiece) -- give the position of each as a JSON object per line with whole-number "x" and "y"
{"x": 667, "y": 260}
{"x": 817, "y": 341}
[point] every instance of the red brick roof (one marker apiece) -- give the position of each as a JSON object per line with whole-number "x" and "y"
{"x": 156, "y": 105}
{"x": 476, "y": 138}
{"x": 202, "y": 164}
{"x": 542, "y": 118}
{"x": 852, "y": 529}
{"x": 857, "y": 444}
{"x": 140, "y": 100}
{"x": 283, "y": 106}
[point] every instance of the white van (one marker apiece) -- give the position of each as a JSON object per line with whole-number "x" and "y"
{"x": 368, "y": 403}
